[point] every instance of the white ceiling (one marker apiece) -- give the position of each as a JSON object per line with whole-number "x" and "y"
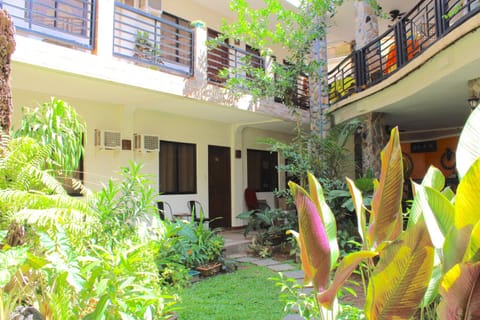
{"x": 342, "y": 24}
{"x": 342, "y": 28}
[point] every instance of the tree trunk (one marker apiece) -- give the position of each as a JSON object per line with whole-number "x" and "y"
{"x": 7, "y": 46}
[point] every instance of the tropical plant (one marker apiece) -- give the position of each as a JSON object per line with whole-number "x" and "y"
{"x": 197, "y": 244}
{"x": 56, "y": 125}
{"x": 271, "y": 226}
{"x": 69, "y": 258}
{"x": 435, "y": 258}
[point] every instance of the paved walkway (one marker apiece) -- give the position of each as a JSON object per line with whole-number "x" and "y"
{"x": 288, "y": 270}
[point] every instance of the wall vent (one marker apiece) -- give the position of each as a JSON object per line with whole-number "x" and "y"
{"x": 145, "y": 143}
{"x": 108, "y": 140}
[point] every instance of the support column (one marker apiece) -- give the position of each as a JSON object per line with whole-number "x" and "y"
{"x": 374, "y": 139}
{"x": 104, "y": 34}
{"x": 200, "y": 52}
{"x": 318, "y": 85}
{"x": 366, "y": 24}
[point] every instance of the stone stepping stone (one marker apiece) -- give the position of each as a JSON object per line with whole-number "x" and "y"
{"x": 247, "y": 259}
{"x": 265, "y": 262}
{"x": 281, "y": 267}
{"x": 296, "y": 274}
{"x": 293, "y": 317}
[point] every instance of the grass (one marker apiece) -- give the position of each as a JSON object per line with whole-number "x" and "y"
{"x": 244, "y": 294}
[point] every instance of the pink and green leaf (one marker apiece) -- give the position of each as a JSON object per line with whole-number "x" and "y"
{"x": 386, "y": 203}
{"x": 460, "y": 289}
{"x": 328, "y": 219}
{"x": 343, "y": 272}
{"x": 315, "y": 250}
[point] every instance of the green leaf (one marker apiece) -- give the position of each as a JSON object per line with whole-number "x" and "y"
{"x": 99, "y": 312}
{"x": 439, "y": 214}
{"x": 432, "y": 289}
{"x": 467, "y": 200}
{"x": 455, "y": 246}
{"x": 434, "y": 178}
{"x": 359, "y": 210}
{"x": 386, "y": 203}
{"x": 460, "y": 289}
{"x": 401, "y": 277}
{"x": 468, "y": 149}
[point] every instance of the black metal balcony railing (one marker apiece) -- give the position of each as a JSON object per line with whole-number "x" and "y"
{"x": 65, "y": 21}
{"x": 153, "y": 40}
{"x": 225, "y": 56}
{"x": 426, "y": 23}
{"x": 300, "y": 94}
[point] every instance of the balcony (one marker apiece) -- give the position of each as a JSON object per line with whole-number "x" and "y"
{"x": 69, "y": 22}
{"x": 428, "y": 22}
{"x": 152, "y": 40}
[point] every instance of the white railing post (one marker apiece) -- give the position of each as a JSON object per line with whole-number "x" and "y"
{"x": 200, "y": 52}
{"x": 104, "y": 32}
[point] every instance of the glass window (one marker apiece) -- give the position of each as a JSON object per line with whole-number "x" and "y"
{"x": 178, "y": 168}
{"x": 262, "y": 170}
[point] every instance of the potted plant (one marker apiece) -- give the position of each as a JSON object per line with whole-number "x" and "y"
{"x": 199, "y": 247}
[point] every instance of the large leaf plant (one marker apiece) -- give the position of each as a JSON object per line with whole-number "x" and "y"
{"x": 431, "y": 262}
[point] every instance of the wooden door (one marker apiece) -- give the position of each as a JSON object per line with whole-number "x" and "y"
{"x": 219, "y": 189}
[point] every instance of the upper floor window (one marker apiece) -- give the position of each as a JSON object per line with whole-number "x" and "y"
{"x": 262, "y": 170}
{"x": 178, "y": 168}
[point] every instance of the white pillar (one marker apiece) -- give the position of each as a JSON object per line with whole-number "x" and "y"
{"x": 104, "y": 32}
{"x": 200, "y": 52}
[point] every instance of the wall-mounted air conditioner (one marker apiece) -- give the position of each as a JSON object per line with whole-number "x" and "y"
{"x": 145, "y": 143}
{"x": 108, "y": 140}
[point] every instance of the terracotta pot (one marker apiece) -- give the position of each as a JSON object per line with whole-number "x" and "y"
{"x": 209, "y": 269}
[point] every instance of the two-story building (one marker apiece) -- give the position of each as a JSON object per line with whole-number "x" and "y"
{"x": 140, "y": 73}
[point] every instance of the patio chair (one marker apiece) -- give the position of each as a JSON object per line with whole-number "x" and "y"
{"x": 195, "y": 207}
{"x": 252, "y": 201}
{"x": 165, "y": 210}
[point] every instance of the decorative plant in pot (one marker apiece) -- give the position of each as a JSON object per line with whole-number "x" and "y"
{"x": 199, "y": 247}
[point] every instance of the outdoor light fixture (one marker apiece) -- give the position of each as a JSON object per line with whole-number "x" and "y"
{"x": 473, "y": 102}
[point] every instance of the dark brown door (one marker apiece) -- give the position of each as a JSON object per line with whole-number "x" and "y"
{"x": 219, "y": 192}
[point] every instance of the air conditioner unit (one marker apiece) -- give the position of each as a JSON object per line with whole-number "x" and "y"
{"x": 108, "y": 140}
{"x": 145, "y": 143}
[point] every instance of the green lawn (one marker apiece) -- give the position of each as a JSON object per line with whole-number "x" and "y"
{"x": 242, "y": 295}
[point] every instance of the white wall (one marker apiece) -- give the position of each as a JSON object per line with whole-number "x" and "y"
{"x": 102, "y": 165}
